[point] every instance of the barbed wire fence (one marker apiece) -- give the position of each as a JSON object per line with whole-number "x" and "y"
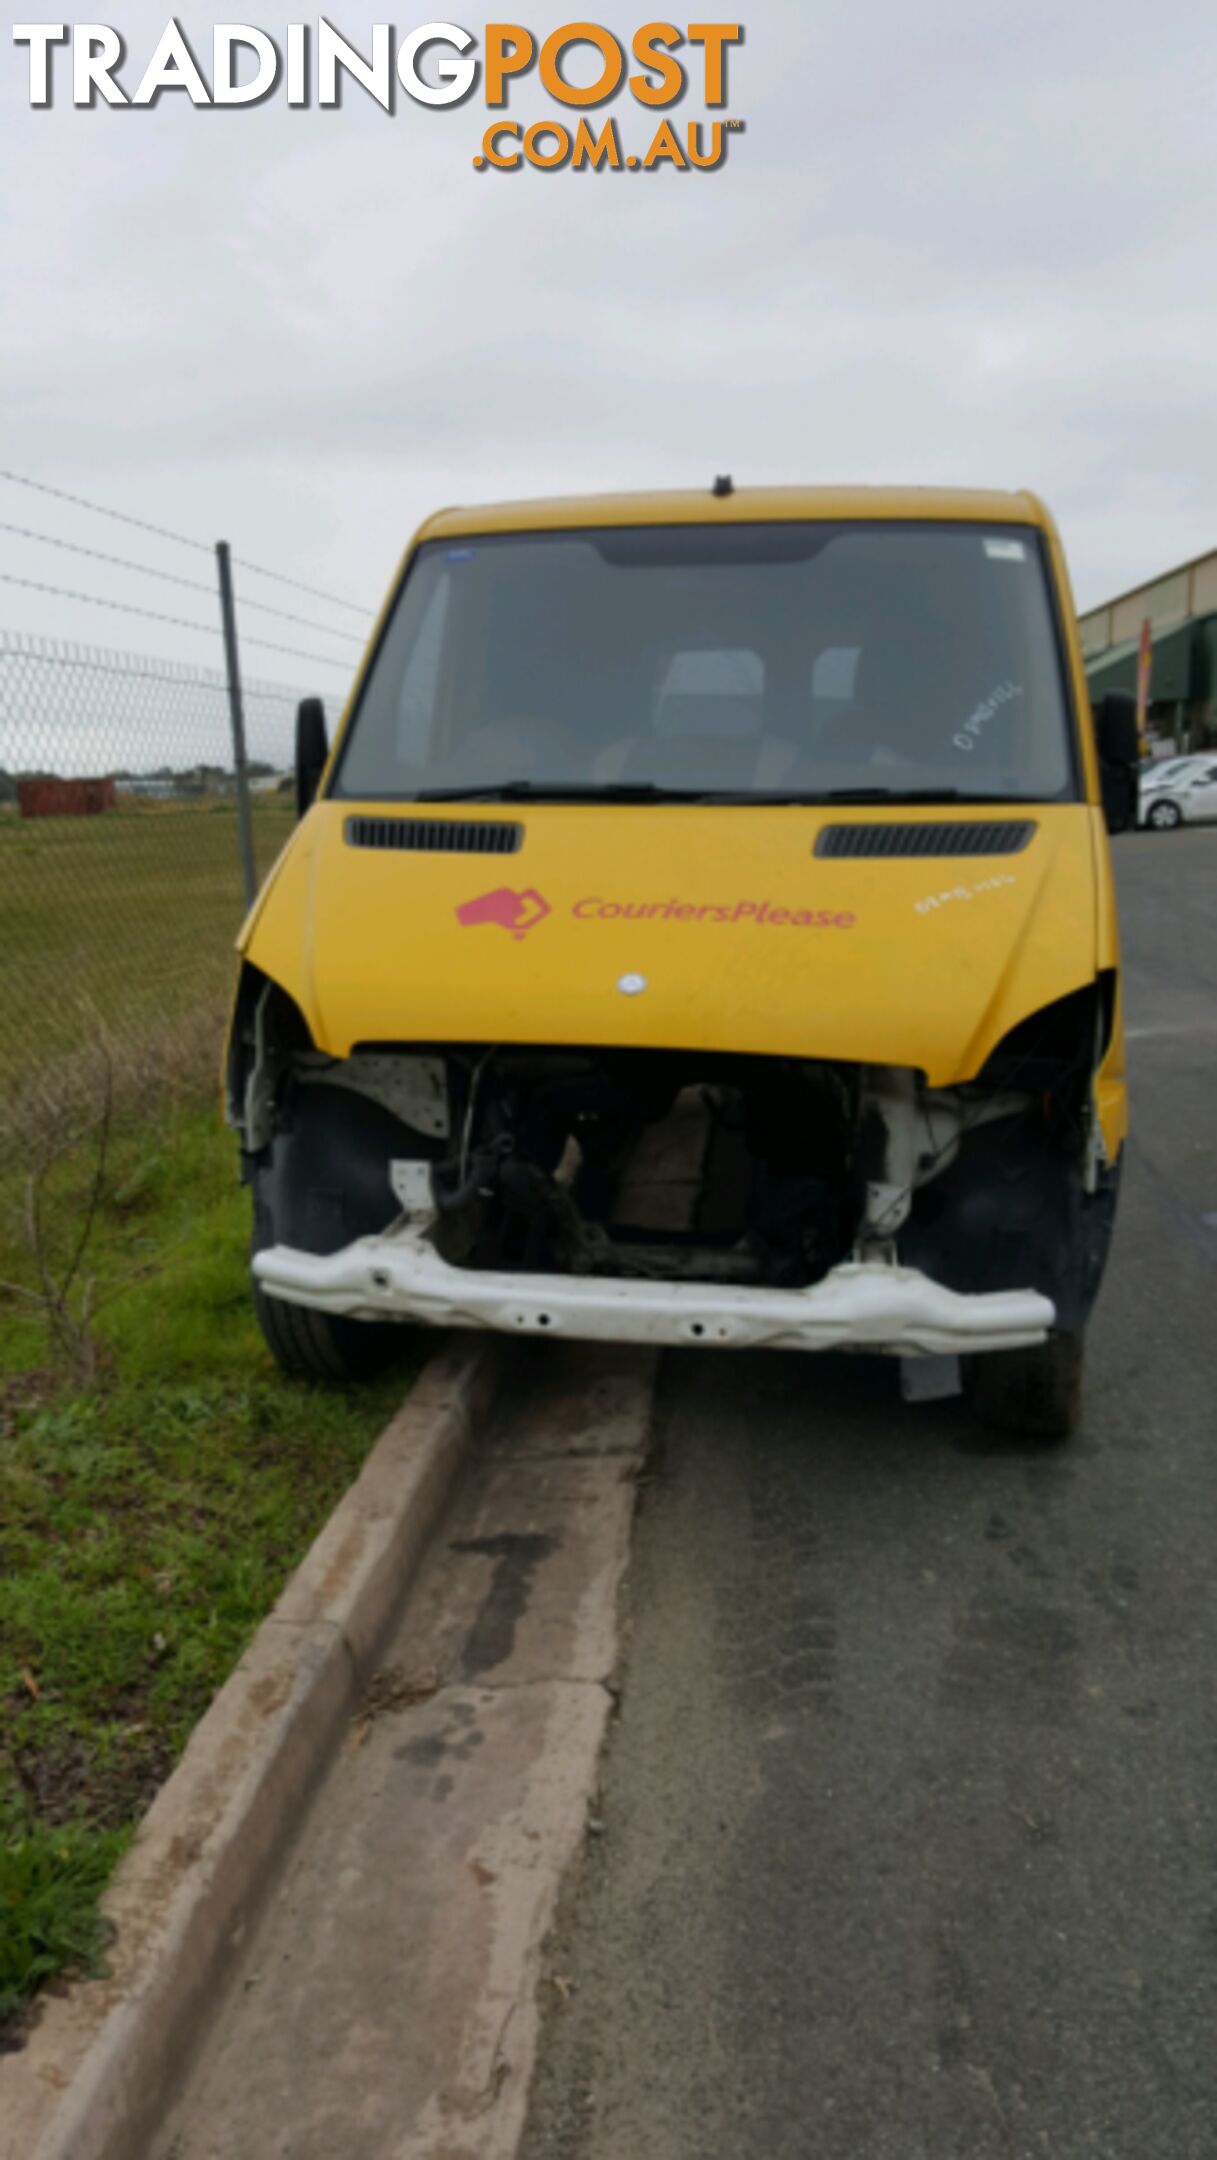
{"x": 123, "y": 795}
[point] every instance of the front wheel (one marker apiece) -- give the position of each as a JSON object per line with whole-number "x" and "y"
{"x": 308, "y": 1345}
{"x": 324, "y": 1182}
{"x": 1036, "y": 1393}
{"x": 1164, "y": 816}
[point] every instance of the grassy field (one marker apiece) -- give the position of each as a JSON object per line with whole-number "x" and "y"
{"x": 129, "y": 917}
{"x": 146, "y": 1524}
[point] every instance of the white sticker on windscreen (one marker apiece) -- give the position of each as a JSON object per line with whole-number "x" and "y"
{"x": 1005, "y": 551}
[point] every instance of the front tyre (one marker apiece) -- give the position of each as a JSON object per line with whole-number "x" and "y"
{"x": 322, "y": 1183}
{"x": 1164, "y": 816}
{"x": 1036, "y": 1393}
{"x": 308, "y": 1345}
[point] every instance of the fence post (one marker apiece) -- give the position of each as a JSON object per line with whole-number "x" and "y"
{"x": 236, "y": 711}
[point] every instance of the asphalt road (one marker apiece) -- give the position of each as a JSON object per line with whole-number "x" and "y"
{"x": 907, "y": 1842}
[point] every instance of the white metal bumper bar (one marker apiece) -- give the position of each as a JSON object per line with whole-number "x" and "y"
{"x": 861, "y": 1306}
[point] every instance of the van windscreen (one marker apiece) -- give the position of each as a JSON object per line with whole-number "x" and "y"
{"x": 776, "y": 660}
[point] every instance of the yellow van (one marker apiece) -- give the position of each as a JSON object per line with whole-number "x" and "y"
{"x": 702, "y": 932}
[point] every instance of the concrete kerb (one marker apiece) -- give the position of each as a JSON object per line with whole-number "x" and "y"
{"x": 94, "y": 2077}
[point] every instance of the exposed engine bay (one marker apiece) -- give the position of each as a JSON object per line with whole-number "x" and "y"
{"x": 654, "y": 1166}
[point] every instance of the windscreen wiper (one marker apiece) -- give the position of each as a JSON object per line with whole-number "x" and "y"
{"x": 908, "y": 795}
{"x": 808, "y": 798}
{"x": 649, "y": 791}
{"x": 562, "y": 791}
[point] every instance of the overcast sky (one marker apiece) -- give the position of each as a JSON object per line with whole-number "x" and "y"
{"x": 961, "y": 242}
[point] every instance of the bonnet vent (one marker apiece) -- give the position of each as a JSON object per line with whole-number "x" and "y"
{"x": 1008, "y": 837}
{"x": 435, "y": 836}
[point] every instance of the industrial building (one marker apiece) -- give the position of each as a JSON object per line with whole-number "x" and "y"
{"x": 1181, "y": 609}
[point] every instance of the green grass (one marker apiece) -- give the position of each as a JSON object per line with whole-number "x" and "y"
{"x": 133, "y": 913}
{"x": 145, "y": 1527}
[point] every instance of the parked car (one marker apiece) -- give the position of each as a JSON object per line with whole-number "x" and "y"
{"x": 766, "y": 828}
{"x": 1180, "y": 791}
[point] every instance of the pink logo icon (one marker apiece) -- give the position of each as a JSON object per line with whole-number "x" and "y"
{"x": 518, "y": 912}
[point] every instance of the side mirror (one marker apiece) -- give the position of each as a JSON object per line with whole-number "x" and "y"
{"x": 312, "y": 750}
{"x": 1115, "y": 725}
{"x": 1119, "y": 745}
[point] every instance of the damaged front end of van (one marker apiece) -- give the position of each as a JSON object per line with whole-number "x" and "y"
{"x": 787, "y": 1012}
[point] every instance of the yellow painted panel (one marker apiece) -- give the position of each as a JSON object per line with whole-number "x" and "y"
{"x": 745, "y": 506}
{"x": 743, "y": 938}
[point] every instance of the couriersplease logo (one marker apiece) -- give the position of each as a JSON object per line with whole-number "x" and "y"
{"x": 520, "y": 912}
{"x": 437, "y": 64}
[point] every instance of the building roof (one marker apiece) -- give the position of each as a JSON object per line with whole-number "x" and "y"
{"x": 1147, "y": 584}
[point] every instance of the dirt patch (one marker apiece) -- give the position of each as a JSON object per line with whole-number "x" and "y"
{"x": 65, "y": 1776}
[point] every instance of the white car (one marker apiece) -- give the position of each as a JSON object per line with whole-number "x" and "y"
{"x": 1180, "y": 791}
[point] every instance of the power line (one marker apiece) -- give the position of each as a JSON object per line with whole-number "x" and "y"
{"x": 312, "y": 590}
{"x": 100, "y": 509}
{"x": 162, "y": 532}
{"x": 178, "y": 622}
{"x": 170, "y": 577}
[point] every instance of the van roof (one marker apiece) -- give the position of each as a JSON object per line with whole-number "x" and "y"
{"x": 743, "y": 506}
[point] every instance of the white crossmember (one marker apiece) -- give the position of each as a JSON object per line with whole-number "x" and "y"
{"x": 860, "y": 1306}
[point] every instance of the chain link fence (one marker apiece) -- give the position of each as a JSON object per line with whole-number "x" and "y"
{"x": 120, "y": 869}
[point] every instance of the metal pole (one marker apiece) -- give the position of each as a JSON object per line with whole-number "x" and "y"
{"x": 236, "y": 710}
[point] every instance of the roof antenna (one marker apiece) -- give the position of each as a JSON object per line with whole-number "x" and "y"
{"x": 723, "y": 485}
